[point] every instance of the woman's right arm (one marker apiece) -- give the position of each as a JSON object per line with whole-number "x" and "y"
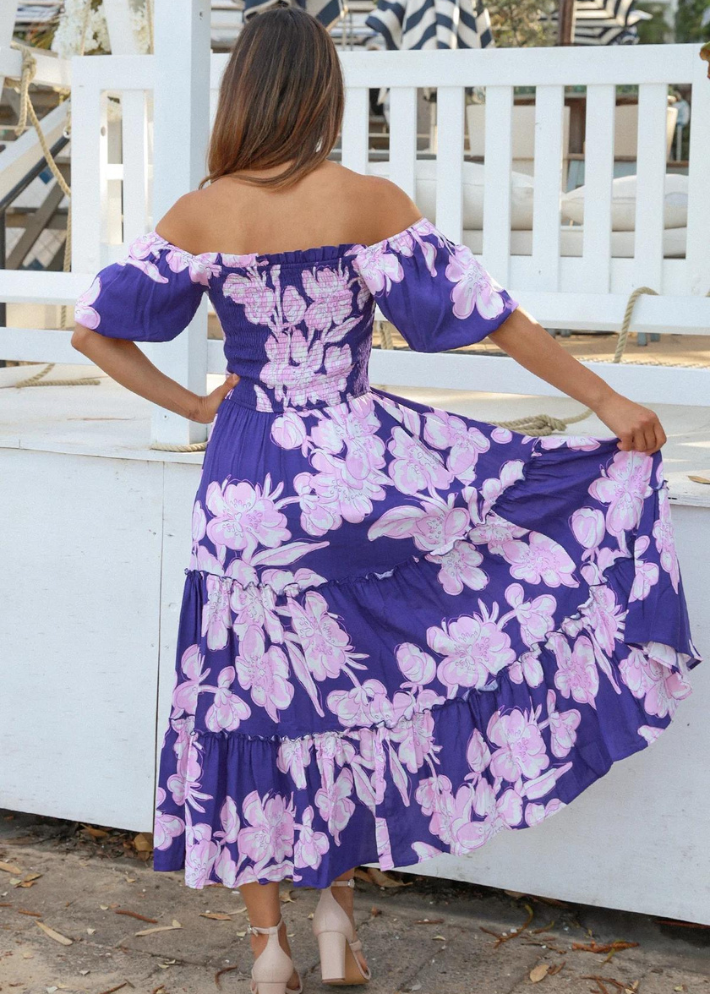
{"x": 124, "y": 362}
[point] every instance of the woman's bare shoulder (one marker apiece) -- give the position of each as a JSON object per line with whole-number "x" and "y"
{"x": 387, "y": 207}
{"x": 184, "y": 224}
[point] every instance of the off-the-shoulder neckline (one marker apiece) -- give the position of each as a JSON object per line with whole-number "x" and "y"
{"x": 319, "y": 253}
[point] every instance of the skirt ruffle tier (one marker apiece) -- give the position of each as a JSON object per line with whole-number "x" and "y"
{"x": 395, "y": 715}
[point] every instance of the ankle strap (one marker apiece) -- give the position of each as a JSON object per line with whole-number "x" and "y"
{"x": 344, "y": 883}
{"x": 272, "y": 930}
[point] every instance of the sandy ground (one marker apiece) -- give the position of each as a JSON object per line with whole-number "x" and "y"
{"x": 421, "y": 935}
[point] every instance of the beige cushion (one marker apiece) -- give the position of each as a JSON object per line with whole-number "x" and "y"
{"x": 623, "y": 203}
{"x": 521, "y": 208}
{"x": 572, "y": 242}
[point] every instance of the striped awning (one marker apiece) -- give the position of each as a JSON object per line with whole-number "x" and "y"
{"x": 417, "y": 24}
{"x": 328, "y": 12}
{"x": 606, "y": 22}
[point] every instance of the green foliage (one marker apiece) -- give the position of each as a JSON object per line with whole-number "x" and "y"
{"x": 689, "y": 21}
{"x": 522, "y": 23}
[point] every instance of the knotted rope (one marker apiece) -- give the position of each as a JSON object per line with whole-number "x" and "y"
{"x": 28, "y": 73}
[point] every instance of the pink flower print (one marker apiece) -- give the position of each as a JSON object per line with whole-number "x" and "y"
{"x": 379, "y": 268}
{"x": 415, "y": 467}
{"x": 229, "y": 819}
{"x": 535, "y": 617}
{"x": 334, "y": 804}
{"x": 416, "y": 737}
{"x": 199, "y": 522}
{"x": 540, "y": 560}
{"x": 527, "y": 669}
{"x": 645, "y": 574}
{"x": 651, "y": 680}
{"x": 228, "y": 710}
{"x": 254, "y": 604}
{"x": 582, "y": 443}
{"x": 293, "y": 305}
{"x": 325, "y": 644}
{"x": 563, "y": 726}
{"x": 604, "y": 618}
{"x": 84, "y": 313}
{"x": 269, "y": 832}
{"x": 293, "y": 757}
{"x": 232, "y": 261}
{"x": 244, "y": 518}
{"x": 216, "y": 615}
{"x": 577, "y": 675}
{"x": 495, "y": 532}
{"x": 649, "y": 733}
{"x": 665, "y": 540}
{"x": 466, "y": 442}
{"x": 264, "y": 673}
{"x": 200, "y": 855}
{"x": 474, "y": 289}
{"x": 474, "y": 649}
{"x": 624, "y": 487}
{"x": 318, "y": 516}
{"x": 331, "y": 295}
{"x": 184, "y": 784}
{"x": 459, "y": 567}
{"x": 367, "y": 704}
{"x": 187, "y": 691}
{"x": 417, "y": 665}
{"x": 166, "y": 827}
{"x": 289, "y": 431}
{"x": 521, "y": 750}
{"x": 384, "y": 847}
{"x": 588, "y": 527}
{"x": 353, "y": 428}
{"x": 478, "y": 755}
{"x": 311, "y": 846}
{"x": 349, "y": 498}
{"x": 139, "y": 253}
{"x": 251, "y": 291}
{"x": 200, "y": 267}
{"x": 537, "y": 813}
{"x": 434, "y": 526}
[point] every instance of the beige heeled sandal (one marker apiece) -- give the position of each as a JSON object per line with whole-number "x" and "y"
{"x": 337, "y": 941}
{"x": 273, "y": 967}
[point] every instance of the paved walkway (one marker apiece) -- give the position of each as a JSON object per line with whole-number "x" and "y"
{"x": 430, "y": 937}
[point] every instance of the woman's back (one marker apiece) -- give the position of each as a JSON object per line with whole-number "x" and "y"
{"x": 331, "y": 205}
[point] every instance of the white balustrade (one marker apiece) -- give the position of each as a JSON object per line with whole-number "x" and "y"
{"x": 584, "y": 292}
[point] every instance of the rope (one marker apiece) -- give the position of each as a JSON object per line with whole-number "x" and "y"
{"x": 546, "y": 424}
{"x": 168, "y": 447}
{"x": 29, "y": 70}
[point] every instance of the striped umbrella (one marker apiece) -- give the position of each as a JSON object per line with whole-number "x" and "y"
{"x": 606, "y": 22}
{"x": 328, "y": 12}
{"x": 416, "y": 24}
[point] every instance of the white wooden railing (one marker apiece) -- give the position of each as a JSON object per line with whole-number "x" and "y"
{"x": 180, "y": 82}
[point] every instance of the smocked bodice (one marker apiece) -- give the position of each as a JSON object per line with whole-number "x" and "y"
{"x": 298, "y": 324}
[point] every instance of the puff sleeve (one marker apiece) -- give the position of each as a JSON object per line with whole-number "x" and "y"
{"x": 432, "y": 290}
{"x": 150, "y": 296}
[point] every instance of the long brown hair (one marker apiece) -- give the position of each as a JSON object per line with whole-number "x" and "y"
{"x": 280, "y": 100}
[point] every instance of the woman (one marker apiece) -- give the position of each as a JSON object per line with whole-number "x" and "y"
{"x": 402, "y": 630}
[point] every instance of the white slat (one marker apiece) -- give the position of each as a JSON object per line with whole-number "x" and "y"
{"x": 549, "y": 103}
{"x": 88, "y": 159}
{"x": 697, "y": 254}
{"x": 650, "y": 177}
{"x": 449, "y": 160}
{"x": 356, "y": 123}
{"x": 598, "y": 176}
{"x": 135, "y": 164}
{"x": 496, "y": 189}
{"x": 403, "y": 137}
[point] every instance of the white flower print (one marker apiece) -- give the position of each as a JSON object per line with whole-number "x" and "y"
{"x": 474, "y": 289}
{"x": 264, "y": 672}
{"x": 465, "y": 442}
{"x": 244, "y": 517}
{"x": 521, "y": 749}
{"x": 624, "y": 487}
{"x": 252, "y": 292}
{"x": 325, "y": 644}
{"x": 415, "y": 467}
{"x": 577, "y": 676}
{"x": 459, "y": 568}
{"x": 84, "y": 313}
{"x": 563, "y": 726}
{"x": 474, "y": 649}
{"x": 665, "y": 541}
{"x": 228, "y": 710}
{"x": 331, "y": 295}
{"x": 540, "y": 560}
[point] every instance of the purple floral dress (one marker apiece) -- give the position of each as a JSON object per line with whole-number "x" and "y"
{"x": 402, "y": 630}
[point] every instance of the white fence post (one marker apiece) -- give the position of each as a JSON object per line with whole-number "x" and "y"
{"x": 181, "y": 131}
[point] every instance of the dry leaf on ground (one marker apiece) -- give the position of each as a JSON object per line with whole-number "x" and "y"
{"x": 218, "y": 916}
{"x": 698, "y": 479}
{"x": 160, "y": 928}
{"x": 539, "y": 972}
{"x": 428, "y": 921}
{"x": 10, "y": 867}
{"x": 385, "y": 880}
{"x": 57, "y": 936}
{"x": 134, "y": 914}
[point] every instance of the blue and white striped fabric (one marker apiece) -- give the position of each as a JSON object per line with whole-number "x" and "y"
{"x": 416, "y": 24}
{"x": 328, "y": 12}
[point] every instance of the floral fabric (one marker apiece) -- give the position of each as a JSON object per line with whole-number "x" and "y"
{"x": 402, "y": 630}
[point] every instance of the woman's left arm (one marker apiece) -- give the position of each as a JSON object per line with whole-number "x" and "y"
{"x": 526, "y": 341}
